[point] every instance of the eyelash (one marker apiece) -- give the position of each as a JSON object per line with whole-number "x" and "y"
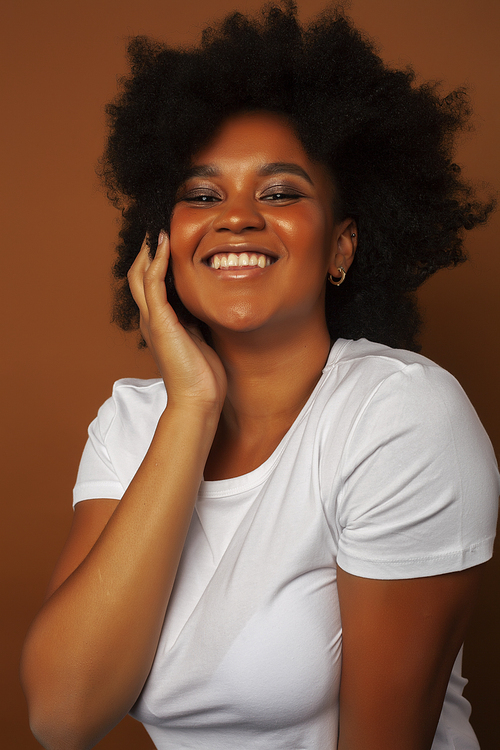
{"x": 199, "y": 198}
{"x": 279, "y": 195}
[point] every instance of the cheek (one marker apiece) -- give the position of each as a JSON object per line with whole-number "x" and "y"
{"x": 324, "y": 236}
{"x": 179, "y": 242}
{"x": 184, "y": 240}
{"x": 185, "y": 233}
{"x": 311, "y": 234}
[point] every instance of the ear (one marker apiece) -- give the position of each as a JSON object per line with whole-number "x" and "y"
{"x": 344, "y": 245}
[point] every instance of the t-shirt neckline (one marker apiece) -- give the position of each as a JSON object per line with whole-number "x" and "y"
{"x": 245, "y": 482}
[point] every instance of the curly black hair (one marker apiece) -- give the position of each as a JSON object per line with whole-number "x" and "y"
{"x": 387, "y": 142}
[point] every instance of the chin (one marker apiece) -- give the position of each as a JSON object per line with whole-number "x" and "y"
{"x": 235, "y": 322}
{"x": 239, "y": 316}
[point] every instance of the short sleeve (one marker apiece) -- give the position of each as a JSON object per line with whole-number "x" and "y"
{"x": 420, "y": 485}
{"x": 97, "y": 477}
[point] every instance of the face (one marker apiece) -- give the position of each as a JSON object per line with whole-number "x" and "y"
{"x": 253, "y": 234}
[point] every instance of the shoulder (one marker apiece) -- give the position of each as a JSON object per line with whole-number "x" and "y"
{"x": 417, "y": 484}
{"x": 133, "y": 401}
{"x": 381, "y": 360}
{"x": 371, "y": 395}
{"x": 374, "y": 373}
{"x": 397, "y": 392}
{"x": 138, "y": 391}
{"x": 119, "y": 437}
{"x": 128, "y": 419}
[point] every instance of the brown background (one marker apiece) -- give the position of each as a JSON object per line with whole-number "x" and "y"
{"x": 59, "y": 352}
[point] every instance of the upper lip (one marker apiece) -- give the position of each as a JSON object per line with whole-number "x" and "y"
{"x": 241, "y": 247}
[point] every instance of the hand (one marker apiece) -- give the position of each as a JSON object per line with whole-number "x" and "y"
{"x": 193, "y": 373}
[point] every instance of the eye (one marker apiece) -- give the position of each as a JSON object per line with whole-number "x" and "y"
{"x": 201, "y": 196}
{"x": 279, "y": 196}
{"x": 280, "y": 193}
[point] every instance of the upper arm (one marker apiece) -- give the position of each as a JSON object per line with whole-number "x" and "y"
{"x": 400, "y": 639}
{"x": 417, "y": 498}
{"x": 89, "y": 519}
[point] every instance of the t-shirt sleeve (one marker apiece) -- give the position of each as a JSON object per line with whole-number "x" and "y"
{"x": 420, "y": 486}
{"x": 97, "y": 477}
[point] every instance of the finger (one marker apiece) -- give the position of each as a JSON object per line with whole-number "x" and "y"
{"x": 143, "y": 259}
{"x": 136, "y": 273}
{"x": 159, "y": 264}
{"x": 154, "y": 277}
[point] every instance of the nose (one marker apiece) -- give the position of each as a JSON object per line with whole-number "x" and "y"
{"x": 239, "y": 214}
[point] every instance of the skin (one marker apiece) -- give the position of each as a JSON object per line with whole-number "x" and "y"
{"x": 91, "y": 647}
{"x": 264, "y": 322}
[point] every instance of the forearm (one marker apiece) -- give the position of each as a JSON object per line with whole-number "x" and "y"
{"x": 91, "y": 647}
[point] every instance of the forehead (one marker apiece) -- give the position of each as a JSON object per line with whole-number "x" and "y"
{"x": 249, "y": 140}
{"x": 257, "y": 129}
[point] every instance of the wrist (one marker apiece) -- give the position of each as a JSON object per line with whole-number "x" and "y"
{"x": 190, "y": 409}
{"x": 188, "y": 418}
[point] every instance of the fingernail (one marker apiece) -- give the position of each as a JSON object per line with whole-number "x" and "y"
{"x": 161, "y": 237}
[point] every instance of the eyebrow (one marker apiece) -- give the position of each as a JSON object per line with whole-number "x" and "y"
{"x": 205, "y": 170}
{"x": 280, "y": 167}
{"x": 277, "y": 167}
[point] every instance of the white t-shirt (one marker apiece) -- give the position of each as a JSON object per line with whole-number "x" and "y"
{"x": 386, "y": 471}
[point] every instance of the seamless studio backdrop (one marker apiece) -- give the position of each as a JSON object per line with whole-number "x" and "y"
{"x": 60, "y": 354}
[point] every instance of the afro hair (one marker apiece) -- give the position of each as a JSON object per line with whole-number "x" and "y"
{"x": 387, "y": 142}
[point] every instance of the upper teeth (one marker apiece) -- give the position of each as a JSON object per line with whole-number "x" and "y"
{"x": 230, "y": 260}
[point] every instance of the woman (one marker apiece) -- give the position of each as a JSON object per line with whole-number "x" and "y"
{"x": 285, "y": 552}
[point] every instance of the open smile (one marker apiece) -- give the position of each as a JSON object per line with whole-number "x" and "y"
{"x": 239, "y": 260}
{"x": 226, "y": 258}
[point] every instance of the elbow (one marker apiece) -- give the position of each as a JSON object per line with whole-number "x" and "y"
{"x": 58, "y": 721}
{"x": 56, "y": 734}
{"x": 58, "y": 713}
{"x": 56, "y": 727}
{"x": 69, "y": 706}
{"x": 63, "y": 717}
{"x": 55, "y": 740}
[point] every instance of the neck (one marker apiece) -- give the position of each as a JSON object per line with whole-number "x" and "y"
{"x": 270, "y": 377}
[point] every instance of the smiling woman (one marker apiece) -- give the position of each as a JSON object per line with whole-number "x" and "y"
{"x": 253, "y": 235}
{"x": 277, "y": 543}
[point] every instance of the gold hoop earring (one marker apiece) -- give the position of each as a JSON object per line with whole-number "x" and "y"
{"x": 340, "y": 281}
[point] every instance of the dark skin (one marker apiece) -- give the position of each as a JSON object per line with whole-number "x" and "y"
{"x": 399, "y": 642}
{"x": 89, "y": 650}
{"x": 244, "y": 196}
